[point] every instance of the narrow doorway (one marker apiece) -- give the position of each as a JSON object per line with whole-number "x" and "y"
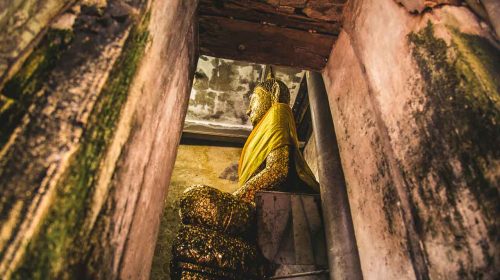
{"x": 215, "y": 129}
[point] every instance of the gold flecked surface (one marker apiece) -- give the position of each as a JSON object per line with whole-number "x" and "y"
{"x": 215, "y": 252}
{"x": 190, "y": 271}
{"x": 187, "y": 271}
{"x": 269, "y": 178}
{"x": 265, "y": 94}
{"x": 276, "y": 89}
{"x": 259, "y": 105}
{"x": 190, "y": 275}
{"x": 211, "y": 208}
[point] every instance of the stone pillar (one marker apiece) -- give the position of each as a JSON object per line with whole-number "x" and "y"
{"x": 343, "y": 258}
{"x": 407, "y": 98}
{"x": 91, "y": 120}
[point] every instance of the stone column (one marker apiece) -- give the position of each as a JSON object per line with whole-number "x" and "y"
{"x": 343, "y": 258}
{"x": 90, "y": 125}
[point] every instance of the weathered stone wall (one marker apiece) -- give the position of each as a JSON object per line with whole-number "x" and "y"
{"x": 146, "y": 163}
{"x": 90, "y": 125}
{"x": 416, "y": 106}
{"x": 21, "y": 24}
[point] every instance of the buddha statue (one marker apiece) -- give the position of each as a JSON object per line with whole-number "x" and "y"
{"x": 217, "y": 236}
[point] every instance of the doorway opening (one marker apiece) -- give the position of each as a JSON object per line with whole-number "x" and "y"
{"x": 215, "y": 129}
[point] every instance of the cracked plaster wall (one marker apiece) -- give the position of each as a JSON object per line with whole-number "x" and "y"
{"x": 222, "y": 88}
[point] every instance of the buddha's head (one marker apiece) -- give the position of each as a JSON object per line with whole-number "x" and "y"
{"x": 265, "y": 95}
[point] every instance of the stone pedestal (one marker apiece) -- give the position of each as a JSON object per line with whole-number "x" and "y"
{"x": 290, "y": 235}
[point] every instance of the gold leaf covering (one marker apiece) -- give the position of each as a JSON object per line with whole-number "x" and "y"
{"x": 213, "y": 253}
{"x": 208, "y": 207}
{"x": 185, "y": 271}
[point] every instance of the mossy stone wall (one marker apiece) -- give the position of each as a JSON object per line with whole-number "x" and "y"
{"x": 72, "y": 112}
{"x": 22, "y": 24}
{"x": 418, "y": 129}
{"x": 459, "y": 156}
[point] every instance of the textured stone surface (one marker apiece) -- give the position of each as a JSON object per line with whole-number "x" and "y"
{"x": 370, "y": 188}
{"x": 21, "y": 23}
{"x": 414, "y": 130}
{"x": 59, "y": 134}
{"x": 290, "y": 229}
{"x": 85, "y": 167}
{"x": 88, "y": 158}
{"x": 153, "y": 120}
{"x": 492, "y": 9}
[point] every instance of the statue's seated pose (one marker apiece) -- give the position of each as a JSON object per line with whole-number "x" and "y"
{"x": 216, "y": 239}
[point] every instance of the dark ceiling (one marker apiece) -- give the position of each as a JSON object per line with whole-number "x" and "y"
{"x": 296, "y": 33}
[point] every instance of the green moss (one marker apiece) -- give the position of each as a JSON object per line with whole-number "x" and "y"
{"x": 459, "y": 121}
{"x": 58, "y": 250}
{"x": 23, "y": 87}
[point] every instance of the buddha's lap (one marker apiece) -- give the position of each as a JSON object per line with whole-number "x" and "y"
{"x": 211, "y": 208}
{"x": 213, "y": 252}
{"x": 213, "y": 241}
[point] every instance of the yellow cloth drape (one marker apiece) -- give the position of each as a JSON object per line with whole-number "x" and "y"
{"x": 276, "y": 129}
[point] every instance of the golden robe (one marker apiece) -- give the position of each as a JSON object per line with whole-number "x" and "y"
{"x": 276, "y": 129}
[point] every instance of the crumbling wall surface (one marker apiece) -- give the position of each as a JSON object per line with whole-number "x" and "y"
{"x": 90, "y": 126}
{"x": 21, "y": 23}
{"x": 416, "y": 106}
{"x": 160, "y": 99}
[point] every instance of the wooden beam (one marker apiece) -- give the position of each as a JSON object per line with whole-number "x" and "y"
{"x": 265, "y": 13}
{"x": 261, "y": 43}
